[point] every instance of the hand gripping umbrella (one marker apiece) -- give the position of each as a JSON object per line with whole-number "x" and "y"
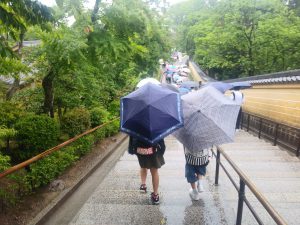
{"x": 209, "y": 119}
{"x": 151, "y": 113}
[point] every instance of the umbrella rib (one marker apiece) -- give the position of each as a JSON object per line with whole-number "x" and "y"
{"x": 178, "y": 108}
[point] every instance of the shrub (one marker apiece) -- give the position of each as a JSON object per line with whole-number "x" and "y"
{"x": 36, "y": 133}
{"x": 76, "y": 121}
{"x": 99, "y": 134}
{"x": 32, "y": 99}
{"x": 4, "y": 162}
{"x": 5, "y": 135}
{"x": 114, "y": 108}
{"x": 45, "y": 170}
{"x": 112, "y": 128}
{"x": 99, "y": 115}
{"x": 83, "y": 145}
{"x": 7, "y": 188}
{"x": 9, "y": 113}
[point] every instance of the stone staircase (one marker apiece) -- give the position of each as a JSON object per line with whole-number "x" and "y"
{"x": 275, "y": 172}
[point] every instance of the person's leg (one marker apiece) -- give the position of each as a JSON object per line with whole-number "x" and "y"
{"x": 193, "y": 185}
{"x": 155, "y": 180}
{"x": 155, "y": 183}
{"x": 143, "y": 174}
{"x": 200, "y": 175}
{"x": 192, "y": 178}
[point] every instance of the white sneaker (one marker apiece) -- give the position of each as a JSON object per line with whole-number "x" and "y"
{"x": 200, "y": 186}
{"x": 194, "y": 194}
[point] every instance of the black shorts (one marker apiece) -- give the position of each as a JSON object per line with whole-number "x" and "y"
{"x": 155, "y": 160}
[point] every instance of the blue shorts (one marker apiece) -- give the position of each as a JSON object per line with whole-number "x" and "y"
{"x": 192, "y": 172}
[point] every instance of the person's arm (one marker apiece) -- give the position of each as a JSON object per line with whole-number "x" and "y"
{"x": 131, "y": 146}
{"x": 161, "y": 147}
{"x": 232, "y": 96}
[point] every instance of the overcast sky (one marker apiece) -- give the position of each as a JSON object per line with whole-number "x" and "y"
{"x": 90, "y": 3}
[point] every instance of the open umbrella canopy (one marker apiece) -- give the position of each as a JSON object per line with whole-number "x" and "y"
{"x": 209, "y": 119}
{"x": 189, "y": 84}
{"x": 240, "y": 85}
{"x": 170, "y": 87}
{"x": 186, "y": 70}
{"x": 151, "y": 113}
{"x": 147, "y": 80}
{"x": 220, "y": 86}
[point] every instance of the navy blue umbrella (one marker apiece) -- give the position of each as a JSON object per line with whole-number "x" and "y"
{"x": 240, "y": 85}
{"x": 151, "y": 113}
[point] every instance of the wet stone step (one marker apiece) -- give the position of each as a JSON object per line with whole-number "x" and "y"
{"x": 202, "y": 212}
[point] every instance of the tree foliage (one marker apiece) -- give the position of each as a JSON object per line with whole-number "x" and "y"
{"x": 235, "y": 38}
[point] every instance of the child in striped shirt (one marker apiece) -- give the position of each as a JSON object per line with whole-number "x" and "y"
{"x": 195, "y": 170}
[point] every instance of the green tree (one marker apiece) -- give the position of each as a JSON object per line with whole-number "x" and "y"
{"x": 15, "y": 17}
{"x": 236, "y": 38}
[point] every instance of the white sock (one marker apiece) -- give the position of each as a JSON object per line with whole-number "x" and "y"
{"x": 195, "y": 191}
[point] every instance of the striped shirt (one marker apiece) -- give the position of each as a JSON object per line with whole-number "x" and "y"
{"x": 199, "y": 158}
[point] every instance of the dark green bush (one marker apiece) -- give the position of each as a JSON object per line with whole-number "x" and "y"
{"x": 32, "y": 99}
{"x": 4, "y": 162}
{"x": 112, "y": 128}
{"x": 12, "y": 188}
{"x": 83, "y": 145}
{"x": 44, "y": 171}
{"x": 114, "y": 108}
{"x": 35, "y": 134}
{"x": 9, "y": 113}
{"x": 99, "y": 134}
{"x": 99, "y": 115}
{"x": 76, "y": 121}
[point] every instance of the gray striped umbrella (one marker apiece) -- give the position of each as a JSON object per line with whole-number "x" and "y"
{"x": 209, "y": 119}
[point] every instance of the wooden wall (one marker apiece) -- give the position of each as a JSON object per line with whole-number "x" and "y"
{"x": 279, "y": 102}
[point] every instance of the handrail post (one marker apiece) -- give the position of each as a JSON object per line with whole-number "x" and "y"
{"x": 298, "y": 148}
{"x": 260, "y": 125}
{"x": 217, "y": 167}
{"x": 240, "y": 202}
{"x": 248, "y": 122}
{"x": 276, "y": 134}
{"x": 242, "y": 120}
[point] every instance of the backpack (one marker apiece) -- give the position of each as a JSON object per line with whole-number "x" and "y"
{"x": 135, "y": 143}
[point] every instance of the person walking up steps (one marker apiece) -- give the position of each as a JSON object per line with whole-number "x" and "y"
{"x": 238, "y": 97}
{"x": 195, "y": 170}
{"x": 149, "y": 157}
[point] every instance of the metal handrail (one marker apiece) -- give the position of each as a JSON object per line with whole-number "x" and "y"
{"x": 271, "y": 121}
{"x": 275, "y": 136}
{"x": 245, "y": 181}
{"x": 51, "y": 150}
